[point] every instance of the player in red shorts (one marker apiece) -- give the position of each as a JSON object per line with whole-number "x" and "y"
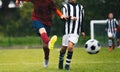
{"x": 42, "y": 20}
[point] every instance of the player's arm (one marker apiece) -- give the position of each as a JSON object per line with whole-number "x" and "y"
{"x": 116, "y": 25}
{"x": 57, "y": 11}
{"x": 82, "y": 28}
{"x": 106, "y": 26}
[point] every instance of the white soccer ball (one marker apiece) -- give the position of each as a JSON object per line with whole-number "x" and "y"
{"x": 92, "y": 46}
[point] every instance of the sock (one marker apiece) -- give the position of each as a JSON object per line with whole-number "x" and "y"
{"x": 69, "y": 57}
{"x": 45, "y": 38}
{"x": 61, "y": 56}
{"x": 46, "y": 53}
{"x": 110, "y": 43}
{"x": 61, "y": 59}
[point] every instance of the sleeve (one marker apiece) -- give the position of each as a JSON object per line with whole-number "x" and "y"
{"x": 53, "y": 7}
{"x": 106, "y": 26}
{"x": 64, "y": 10}
{"x": 82, "y": 26}
{"x": 116, "y": 23}
{"x": 58, "y": 12}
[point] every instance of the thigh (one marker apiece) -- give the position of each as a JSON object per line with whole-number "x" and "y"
{"x": 37, "y": 25}
{"x": 65, "y": 40}
{"x": 41, "y": 28}
{"x": 48, "y": 29}
{"x": 110, "y": 35}
{"x": 73, "y": 38}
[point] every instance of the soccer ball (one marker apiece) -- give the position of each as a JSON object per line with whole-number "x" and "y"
{"x": 92, "y": 46}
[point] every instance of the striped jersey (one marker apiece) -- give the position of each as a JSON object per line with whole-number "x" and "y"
{"x": 111, "y": 25}
{"x": 76, "y": 10}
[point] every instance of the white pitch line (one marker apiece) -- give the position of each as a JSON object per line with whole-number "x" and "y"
{"x": 98, "y": 62}
{"x": 24, "y": 63}
{"x": 53, "y": 63}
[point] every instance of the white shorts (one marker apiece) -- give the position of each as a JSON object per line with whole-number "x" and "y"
{"x": 69, "y": 37}
{"x": 111, "y": 35}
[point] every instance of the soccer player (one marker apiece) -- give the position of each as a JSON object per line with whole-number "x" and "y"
{"x": 111, "y": 28}
{"x": 118, "y": 34}
{"x": 42, "y": 20}
{"x": 73, "y": 29}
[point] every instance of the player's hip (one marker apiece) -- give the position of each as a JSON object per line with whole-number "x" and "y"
{"x": 69, "y": 37}
{"x": 37, "y": 25}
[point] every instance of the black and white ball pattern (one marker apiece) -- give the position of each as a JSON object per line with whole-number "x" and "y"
{"x": 92, "y": 46}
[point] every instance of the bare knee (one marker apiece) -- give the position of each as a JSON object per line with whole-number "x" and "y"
{"x": 63, "y": 49}
{"x": 70, "y": 46}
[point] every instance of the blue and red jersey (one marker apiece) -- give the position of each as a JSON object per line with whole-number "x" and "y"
{"x": 43, "y": 11}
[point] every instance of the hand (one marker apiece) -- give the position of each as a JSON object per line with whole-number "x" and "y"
{"x": 17, "y": 3}
{"x": 73, "y": 18}
{"x": 83, "y": 35}
{"x": 115, "y": 29}
{"x": 64, "y": 17}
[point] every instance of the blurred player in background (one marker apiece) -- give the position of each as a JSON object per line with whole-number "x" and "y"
{"x": 42, "y": 20}
{"x": 73, "y": 29}
{"x": 111, "y": 28}
{"x": 118, "y": 34}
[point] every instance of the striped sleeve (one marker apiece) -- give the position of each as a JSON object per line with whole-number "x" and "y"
{"x": 106, "y": 26}
{"x": 116, "y": 23}
{"x": 82, "y": 28}
{"x": 64, "y": 10}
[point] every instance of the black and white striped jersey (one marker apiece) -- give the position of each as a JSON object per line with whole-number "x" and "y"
{"x": 76, "y": 10}
{"x": 111, "y": 25}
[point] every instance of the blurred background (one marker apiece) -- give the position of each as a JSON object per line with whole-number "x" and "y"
{"x": 16, "y": 25}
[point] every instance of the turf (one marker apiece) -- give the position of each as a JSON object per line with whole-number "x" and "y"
{"x": 31, "y": 60}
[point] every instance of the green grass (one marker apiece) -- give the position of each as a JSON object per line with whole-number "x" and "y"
{"x": 31, "y": 60}
{"x": 22, "y": 41}
{"x": 30, "y": 41}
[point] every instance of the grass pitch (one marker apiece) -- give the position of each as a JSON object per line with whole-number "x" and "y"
{"x": 31, "y": 60}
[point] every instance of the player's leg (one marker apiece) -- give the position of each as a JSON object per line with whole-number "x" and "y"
{"x": 39, "y": 27}
{"x": 110, "y": 43}
{"x": 44, "y": 34}
{"x": 46, "y": 39}
{"x": 113, "y": 42}
{"x": 61, "y": 57}
{"x": 45, "y": 46}
{"x": 46, "y": 54}
{"x": 73, "y": 39}
{"x": 69, "y": 55}
{"x": 63, "y": 51}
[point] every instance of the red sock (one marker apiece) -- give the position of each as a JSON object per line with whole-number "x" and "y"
{"x": 45, "y": 38}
